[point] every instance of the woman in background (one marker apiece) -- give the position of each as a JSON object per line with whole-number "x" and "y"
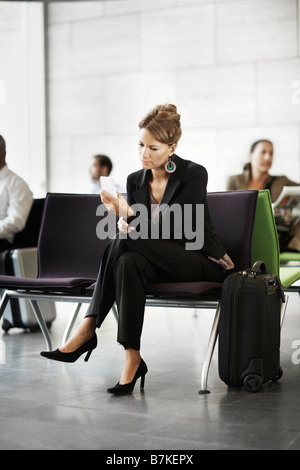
{"x": 256, "y": 176}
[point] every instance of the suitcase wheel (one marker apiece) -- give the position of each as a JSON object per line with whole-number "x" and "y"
{"x": 6, "y": 326}
{"x": 278, "y": 376}
{"x": 252, "y": 383}
{"x": 37, "y": 329}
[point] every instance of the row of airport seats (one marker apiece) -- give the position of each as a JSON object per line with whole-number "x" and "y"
{"x": 21, "y": 260}
{"x": 28, "y": 237}
{"x": 69, "y": 253}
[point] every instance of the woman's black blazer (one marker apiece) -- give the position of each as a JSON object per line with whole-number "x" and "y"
{"x": 187, "y": 185}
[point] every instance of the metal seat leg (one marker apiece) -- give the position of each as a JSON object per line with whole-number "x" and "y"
{"x": 209, "y": 352}
{"x": 3, "y": 303}
{"x": 41, "y": 323}
{"x": 71, "y": 323}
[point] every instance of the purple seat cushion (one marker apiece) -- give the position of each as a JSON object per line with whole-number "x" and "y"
{"x": 189, "y": 289}
{"x": 65, "y": 284}
{"x": 178, "y": 289}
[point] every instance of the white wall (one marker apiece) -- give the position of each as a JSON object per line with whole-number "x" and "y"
{"x": 229, "y": 66}
{"x": 22, "y": 82}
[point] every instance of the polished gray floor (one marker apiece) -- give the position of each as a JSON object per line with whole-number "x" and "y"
{"x": 49, "y": 405}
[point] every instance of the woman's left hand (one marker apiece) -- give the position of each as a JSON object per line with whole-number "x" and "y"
{"x": 117, "y": 205}
{"x": 123, "y": 226}
{"x": 225, "y": 262}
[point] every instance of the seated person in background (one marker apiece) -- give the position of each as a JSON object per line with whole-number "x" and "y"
{"x": 101, "y": 166}
{"x": 15, "y": 202}
{"x": 256, "y": 176}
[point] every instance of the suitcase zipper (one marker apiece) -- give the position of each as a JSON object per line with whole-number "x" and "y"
{"x": 233, "y": 322}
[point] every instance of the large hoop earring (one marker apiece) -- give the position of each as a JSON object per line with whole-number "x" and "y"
{"x": 170, "y": 166}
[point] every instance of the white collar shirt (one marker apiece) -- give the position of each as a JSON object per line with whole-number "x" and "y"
{"x": 15, "y": 203}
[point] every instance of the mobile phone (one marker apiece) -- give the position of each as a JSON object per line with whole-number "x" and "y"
{"x": 108, "y": 185}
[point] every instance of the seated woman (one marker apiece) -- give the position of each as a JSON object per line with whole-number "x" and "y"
{"x": 256, "y": 176}
{"x": 131, "y": 262}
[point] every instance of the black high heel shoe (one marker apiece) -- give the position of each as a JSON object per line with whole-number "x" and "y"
{"x": 128, "y": 388}
{"x": 57, "y": 355}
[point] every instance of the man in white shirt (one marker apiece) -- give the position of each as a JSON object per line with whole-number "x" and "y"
{"x": 15, "y": 201}
{"x": 101, "y": 166}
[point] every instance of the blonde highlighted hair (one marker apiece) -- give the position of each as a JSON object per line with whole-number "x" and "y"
{"x": 163, "y": 123}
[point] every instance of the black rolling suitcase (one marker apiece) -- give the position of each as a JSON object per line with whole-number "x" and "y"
{"x": 249, "y": 328}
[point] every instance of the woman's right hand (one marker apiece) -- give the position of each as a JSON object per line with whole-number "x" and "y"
{"x": 117, "y": 205}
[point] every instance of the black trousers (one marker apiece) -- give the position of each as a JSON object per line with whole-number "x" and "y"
{"x": 126, "y": 269}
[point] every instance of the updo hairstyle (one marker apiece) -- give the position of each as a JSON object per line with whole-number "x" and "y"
{"x": 163, "y": 123}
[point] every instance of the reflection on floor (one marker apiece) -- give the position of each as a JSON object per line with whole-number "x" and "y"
{"x": 49, "y": 405}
